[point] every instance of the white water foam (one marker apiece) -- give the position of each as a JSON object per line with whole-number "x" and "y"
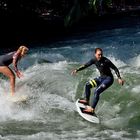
{"x": 35, "y": 84}
{"x": 135, "y": 62}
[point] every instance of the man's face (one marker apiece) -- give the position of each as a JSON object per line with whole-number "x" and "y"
{"x": 98, "y": 55}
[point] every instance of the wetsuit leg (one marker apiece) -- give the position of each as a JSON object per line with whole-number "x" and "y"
{"x": 105, "y": 83}
{"x": 88, "y": 86}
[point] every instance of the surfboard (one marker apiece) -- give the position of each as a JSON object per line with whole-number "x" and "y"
{"x": 89, "y": 117}
{"x": 18, "y": 99}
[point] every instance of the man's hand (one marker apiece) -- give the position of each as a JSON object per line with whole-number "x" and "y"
{"x": 74, "y": 72}
{"x": 121, "y": 81}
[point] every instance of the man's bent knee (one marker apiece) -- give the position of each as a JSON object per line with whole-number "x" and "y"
{"x": 88, "y": 85}
{"x": 92, "y": 83}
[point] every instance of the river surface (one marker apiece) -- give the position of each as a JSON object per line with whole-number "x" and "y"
{"x": 50, "y": 112}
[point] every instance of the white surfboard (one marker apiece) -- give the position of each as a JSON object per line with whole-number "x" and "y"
{"x": 18, "y": 99}
{"x": 89, "y": 117}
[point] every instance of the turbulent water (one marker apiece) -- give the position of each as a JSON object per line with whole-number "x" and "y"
{"x": 50, "y": 112}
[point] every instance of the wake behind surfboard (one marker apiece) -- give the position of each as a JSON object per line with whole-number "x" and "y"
{"x": 89, "y": 117}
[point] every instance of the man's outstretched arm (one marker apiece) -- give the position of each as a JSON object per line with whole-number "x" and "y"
{"x": 120, "y": 80}
{"x": 89, "y": 63}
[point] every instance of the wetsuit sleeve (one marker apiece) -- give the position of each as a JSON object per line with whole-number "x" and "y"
{"x": 15, "y": 61}
{"x": 89, "y": 63}
{"x": 115, "y": 69}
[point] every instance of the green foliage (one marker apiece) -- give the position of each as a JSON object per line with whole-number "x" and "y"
{"x": 93, "y": 5}
{"x": 108, "y": 2}
{"x": 71, "y": 11}
{"x": 73, "y": 16}
{"x": 78, "y": 10}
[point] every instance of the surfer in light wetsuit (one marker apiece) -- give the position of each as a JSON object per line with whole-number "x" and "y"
{"x": 12, "y": 58}
{"x": 105, "y": 80}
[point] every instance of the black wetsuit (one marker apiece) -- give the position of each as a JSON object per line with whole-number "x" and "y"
{"x": 103, "y": 82}
{"x": 6, "y": 60}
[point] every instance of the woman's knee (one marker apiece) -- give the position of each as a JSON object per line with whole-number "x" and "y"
{"x": 12, "y": 76}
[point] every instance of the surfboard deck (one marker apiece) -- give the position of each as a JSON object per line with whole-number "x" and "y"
{"x": 18, "y": 99}
{"x": 92, "y": 117}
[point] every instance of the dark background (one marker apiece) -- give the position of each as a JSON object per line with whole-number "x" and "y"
{"x": 32, "y": 22}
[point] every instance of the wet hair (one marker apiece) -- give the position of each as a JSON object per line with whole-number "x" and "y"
{"x": 98, "y": 49}
{"x": 22, "y": 49}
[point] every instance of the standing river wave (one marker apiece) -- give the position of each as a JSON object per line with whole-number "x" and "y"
{"x": 50, "y": 112}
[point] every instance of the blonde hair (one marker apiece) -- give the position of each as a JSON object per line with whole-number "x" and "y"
{"x": 21, "y": 50}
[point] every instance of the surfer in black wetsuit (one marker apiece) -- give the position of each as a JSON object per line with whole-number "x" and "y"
{"x": 6, "y": 60}
{"x": 105, "y": 80}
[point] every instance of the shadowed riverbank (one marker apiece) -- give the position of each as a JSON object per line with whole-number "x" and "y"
{"x": 31, "y": 30}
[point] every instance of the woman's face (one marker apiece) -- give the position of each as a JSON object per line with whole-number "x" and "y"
{"x": 24, "y": 52}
